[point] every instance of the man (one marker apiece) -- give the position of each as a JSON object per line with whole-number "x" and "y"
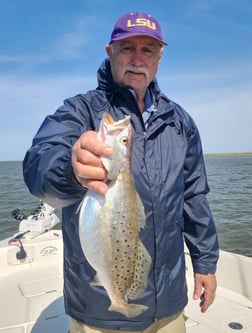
{"x": 168, "y": 171}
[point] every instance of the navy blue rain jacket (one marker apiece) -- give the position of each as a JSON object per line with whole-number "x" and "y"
{"x": 169, "y": 174}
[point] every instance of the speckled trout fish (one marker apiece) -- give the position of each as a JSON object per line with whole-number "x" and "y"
{"x": 109, "y": 225}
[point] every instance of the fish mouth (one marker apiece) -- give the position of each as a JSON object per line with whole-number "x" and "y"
{"x": 113, "y": 126}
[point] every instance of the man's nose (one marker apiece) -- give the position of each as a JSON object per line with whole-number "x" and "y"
{"x": 137, "y": 58}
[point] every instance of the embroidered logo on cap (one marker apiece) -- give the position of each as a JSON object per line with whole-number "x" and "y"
{"x": 141, "y": 22}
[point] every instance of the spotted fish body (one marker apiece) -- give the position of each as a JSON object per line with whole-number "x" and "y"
{"x": 109, "y": 226}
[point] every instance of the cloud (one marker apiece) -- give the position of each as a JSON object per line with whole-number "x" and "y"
{"x": 25, "y": 101}
{"x": 67, "y": 45}
{"x": 33, "y": 97}
{"x": 218, "y": 100}
{"x": 224, "y": 121}
{"x": 23, "y": 58}
{"x": 71, "y": 44}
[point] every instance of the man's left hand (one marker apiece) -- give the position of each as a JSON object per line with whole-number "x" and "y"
{"x": 204, "y": 289}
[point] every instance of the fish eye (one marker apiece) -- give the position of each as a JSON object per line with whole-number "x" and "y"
{"x": 124, "y": 140}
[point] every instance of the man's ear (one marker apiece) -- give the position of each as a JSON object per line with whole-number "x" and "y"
{"x": 108, "y": 50}
{"x": 161, "y": 55}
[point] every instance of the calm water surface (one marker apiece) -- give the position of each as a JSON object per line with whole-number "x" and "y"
{"x": 229, "y": 177}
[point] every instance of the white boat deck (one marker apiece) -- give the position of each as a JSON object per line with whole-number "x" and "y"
{"x": 31, "y": 291}
{"x": 233, "y": 303}
{"x": 228, "y": 309}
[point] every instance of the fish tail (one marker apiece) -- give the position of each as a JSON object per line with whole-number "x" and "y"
{"x": 128, "y": 310}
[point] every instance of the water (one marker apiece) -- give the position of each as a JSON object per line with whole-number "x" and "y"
{"x": 230, "y": 179}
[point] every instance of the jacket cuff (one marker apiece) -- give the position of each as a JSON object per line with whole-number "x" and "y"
{"x": 201, "y": 268}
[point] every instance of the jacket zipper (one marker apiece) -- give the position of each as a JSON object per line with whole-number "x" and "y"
{"x": 176, "y": 126}
{"x": 173, "y": 123}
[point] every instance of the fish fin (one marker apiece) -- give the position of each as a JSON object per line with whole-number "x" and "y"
{"x": 102, "y": 136}
{"x": 140, "y": 213}
{"x": 141, "y": 273}
{"x": 128, "y": 310}
{"x": 103, "y": 129}
{"x": 109, "y": 163}
{"x": 112, "y": 168}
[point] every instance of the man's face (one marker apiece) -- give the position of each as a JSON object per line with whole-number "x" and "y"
{"x": 134, "y": 61}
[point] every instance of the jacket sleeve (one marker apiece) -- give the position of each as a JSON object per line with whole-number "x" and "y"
{"x": 47, "y": 166}
{"x": 199, "y": 228}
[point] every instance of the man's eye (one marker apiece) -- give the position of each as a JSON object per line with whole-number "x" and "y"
{"x": 127, "y": 49}
{"x": 148, "y": 50}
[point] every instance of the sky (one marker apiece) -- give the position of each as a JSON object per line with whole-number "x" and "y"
{"x": 51, "y": 50}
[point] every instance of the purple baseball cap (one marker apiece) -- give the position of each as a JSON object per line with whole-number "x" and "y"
{"x": 137, "y": 24}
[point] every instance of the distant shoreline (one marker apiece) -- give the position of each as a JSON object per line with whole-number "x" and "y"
{"x": 229, "y": 154}
{"x": 248, "y": 153}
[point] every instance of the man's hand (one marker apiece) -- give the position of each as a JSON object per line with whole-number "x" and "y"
{"x": 204, "y": 289}
{"x": 86, "y": 162}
